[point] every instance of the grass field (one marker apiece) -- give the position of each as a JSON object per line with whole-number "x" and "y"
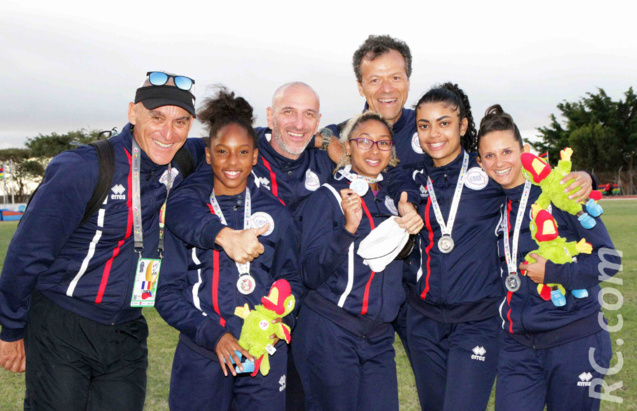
{"x": 621, "y": 221}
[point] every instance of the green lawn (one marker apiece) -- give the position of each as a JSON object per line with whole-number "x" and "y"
{"x": 621, "y": 221}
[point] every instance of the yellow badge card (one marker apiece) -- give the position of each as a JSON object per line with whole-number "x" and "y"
{"x": 146, "y": 278}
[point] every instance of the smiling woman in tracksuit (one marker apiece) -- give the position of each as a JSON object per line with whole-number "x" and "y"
{"x": 344, "y": 339}
{"x": 544, "y": 355}
{"x": 452, "y": 322}
{"x": 200, "y": 288}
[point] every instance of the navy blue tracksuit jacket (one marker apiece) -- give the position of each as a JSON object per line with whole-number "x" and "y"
{"x": 290, "y": 181}
{"x": 463, "y": 285}
{"x": 324, "y": 255}
{"x": 88, "y": 269}
{"x": 537, "y": 323}
{"x": 201, "y": 303}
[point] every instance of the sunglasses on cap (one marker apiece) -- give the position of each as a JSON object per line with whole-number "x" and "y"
{"x": 158, "y": 78}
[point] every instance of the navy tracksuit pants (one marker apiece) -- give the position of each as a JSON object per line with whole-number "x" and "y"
{"x": 454, "y": 363}
{"x": 197, "y": 383}
{"x": 74, "y": 363}
{"x": 559, "y": 377}
{"x": 400, "y": 326}
{"x": 343, "y": 371}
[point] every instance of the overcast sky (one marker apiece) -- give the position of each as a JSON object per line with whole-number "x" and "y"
{"x": 68, "y": 65}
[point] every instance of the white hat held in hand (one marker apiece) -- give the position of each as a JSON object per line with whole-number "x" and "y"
{"x": 383, "y": 244}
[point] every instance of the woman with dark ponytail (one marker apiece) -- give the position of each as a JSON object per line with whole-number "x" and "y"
{"x": 453, "y": 324}
{"x": 200, "y": 289}
{"x": 544, "y": 354}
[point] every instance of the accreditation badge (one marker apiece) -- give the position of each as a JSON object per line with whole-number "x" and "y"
{"x": 145, "y": 287}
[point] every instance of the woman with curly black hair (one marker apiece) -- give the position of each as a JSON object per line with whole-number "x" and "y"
{"x": 200, "y": 288}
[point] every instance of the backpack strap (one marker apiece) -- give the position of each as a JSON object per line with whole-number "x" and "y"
{"x": 184, "y": 161}
{"x": 106, "y": 162}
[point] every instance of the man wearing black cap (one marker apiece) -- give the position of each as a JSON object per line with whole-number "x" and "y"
{"x": 72, "y": 286}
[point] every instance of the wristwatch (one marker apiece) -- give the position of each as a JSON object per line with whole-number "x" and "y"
{"x": 327, "y": 135}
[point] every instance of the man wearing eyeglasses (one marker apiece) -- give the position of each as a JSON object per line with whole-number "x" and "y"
{"x": 71, "y": 291}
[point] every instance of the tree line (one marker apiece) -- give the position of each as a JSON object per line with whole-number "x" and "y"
{"x": 602, "y": 133}
{"x": 29, "y": 163}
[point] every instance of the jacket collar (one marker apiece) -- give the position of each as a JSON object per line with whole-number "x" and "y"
{"x": 453, "y": 167}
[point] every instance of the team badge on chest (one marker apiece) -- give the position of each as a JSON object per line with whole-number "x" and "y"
{"x": 312, "y": 182}
{"x": 389, "y": 203}
{"x": 259, "y": 219}
{"x": 477, "y": 179}
{"x": 173, "y": 175}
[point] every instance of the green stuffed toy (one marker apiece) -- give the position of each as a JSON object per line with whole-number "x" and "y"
{"x": 258, "y": 327}
{"x": 540, "y": 173}
{"x": 556, "y": 249}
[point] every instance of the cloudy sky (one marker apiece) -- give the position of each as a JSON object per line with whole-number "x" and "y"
{"x": 67, "y": 65}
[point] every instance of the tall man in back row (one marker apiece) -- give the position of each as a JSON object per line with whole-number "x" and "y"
{"x": 382, "y": 66}
{"x": 69, "y": 290}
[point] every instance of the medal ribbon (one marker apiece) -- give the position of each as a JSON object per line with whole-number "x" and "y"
{"x": 447, "y": 228}
{"x": 511, "y": 256}
{"x": 346, "y": 172}
{"x": 247, "y": 213}
{"x": 138, "y": 231}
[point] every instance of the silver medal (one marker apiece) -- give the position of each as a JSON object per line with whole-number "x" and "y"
{"x": 512, "y": 282}
{"x": 359, "y": 186}
{"x": 246, "y": 284}
{"x": 445, "y": 243}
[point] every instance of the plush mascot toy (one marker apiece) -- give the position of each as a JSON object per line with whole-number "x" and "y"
{"x": 258, "y": 327}
{"x": 539, "y": 173}
{"x": 556, "y": 249}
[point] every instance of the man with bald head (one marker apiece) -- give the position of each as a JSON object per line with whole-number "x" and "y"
{"x": 72, "y": 285}
{"x": 291, "y": 132}
{"x": 285, "y": 167}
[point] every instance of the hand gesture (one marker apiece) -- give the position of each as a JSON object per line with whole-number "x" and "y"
{"x": 241, "y": 245}
{"x": 352, "y": 208}
{"x": 409, "y": 220}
